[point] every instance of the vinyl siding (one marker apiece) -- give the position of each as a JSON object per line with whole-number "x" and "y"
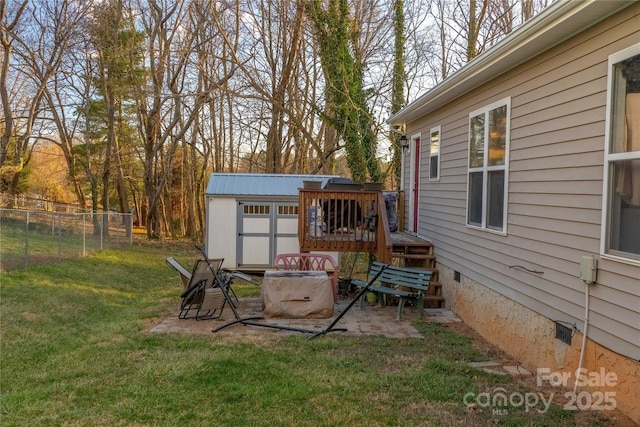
{"x": 558, "y": 102}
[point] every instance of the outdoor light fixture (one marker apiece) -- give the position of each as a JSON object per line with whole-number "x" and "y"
{"x": 404, "y": 142}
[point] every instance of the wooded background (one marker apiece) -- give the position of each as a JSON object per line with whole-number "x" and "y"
{"x": 131, "y": 104}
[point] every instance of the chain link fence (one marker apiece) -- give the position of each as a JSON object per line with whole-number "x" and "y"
{"x": 38, "y": 204}
{"x": 29, "y": 237}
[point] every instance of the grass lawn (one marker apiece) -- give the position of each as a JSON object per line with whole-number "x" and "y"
{"x": 75, "y": 350}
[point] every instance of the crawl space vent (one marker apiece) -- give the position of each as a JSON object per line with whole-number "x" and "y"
{"x": 563, "y": 333}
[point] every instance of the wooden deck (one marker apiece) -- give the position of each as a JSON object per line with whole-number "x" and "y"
{"x": 352, "y": 221}
{"x": 406, "y": 239}
{"x": 340, "y": 221}
{"x": 397, "y": 238}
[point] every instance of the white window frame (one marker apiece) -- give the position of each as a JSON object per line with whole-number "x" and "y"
{"x": 486, "y": 169}
{"x": 611, "y": 157}
{"x": 436, "y": 155}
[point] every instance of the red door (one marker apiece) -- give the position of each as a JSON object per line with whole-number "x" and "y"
{"x": 416, "y": 181}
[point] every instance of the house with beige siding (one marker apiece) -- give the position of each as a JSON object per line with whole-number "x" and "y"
{"x": 523, "y": 170}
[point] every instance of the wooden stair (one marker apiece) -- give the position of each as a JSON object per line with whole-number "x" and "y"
{"x": 411, "y": 251}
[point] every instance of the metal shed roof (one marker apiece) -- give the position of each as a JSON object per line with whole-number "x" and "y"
{"x": 254, "y": 184}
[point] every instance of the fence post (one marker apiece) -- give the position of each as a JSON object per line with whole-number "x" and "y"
{"x": 26, "y": 243}
{"x": 102, "y": 231}
{"x": 129, "y": 226}
{"x": 84, "y": 234}
{"x": 59, "y": 237}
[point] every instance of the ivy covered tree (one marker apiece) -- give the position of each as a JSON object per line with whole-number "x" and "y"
{"x": 346, "y": 98}
{"x": 398, "y": 83}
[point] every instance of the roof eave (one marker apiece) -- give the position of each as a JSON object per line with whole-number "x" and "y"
{"x": 558, "y": 22}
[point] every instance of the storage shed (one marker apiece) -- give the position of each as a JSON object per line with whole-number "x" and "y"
{"x": 253, "y": 217}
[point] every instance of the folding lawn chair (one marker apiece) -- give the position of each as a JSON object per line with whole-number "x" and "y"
{"x": 204, "y": 297}
{"x": 185, "y": 275}
{"x": 216, "y": 265}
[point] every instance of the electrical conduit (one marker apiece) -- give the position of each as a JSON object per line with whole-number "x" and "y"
{"x": 584, "y": 335}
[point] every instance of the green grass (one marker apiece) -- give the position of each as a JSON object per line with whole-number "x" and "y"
{"x": 75, "y": 350}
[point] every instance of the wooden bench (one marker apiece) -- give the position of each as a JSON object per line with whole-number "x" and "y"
{"x": 408, "y": 284}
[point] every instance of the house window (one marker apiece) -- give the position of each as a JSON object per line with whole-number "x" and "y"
{"x": 488, "y": 166}
{"x": 621, "y": 212}
{"x": 434, "y": 156}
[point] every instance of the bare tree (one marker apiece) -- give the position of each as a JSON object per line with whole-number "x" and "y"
{"x": 20, "y": 112}
{"x": 272, "y": 79}
{"x": 475, "y": 19}
{"x": 279, "y": 41}
{"x": 463, "y": 29}
{"x": 170, "y": 103}
{"x": 66, "y": 91}
{"x": 10, "y": 19}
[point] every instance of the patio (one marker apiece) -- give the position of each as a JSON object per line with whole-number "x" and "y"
{"x": 371, "y": 320}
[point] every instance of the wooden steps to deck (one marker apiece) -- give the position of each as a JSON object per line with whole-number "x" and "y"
{"x": 411, "y": 251}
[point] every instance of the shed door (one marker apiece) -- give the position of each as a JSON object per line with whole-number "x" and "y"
{"x": 264, "y": 230}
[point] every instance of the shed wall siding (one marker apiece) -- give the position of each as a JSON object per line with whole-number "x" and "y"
{"x": 222, "y": 232}
{"x": 558, "y": 102}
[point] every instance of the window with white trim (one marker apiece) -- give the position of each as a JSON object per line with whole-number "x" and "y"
{"x": 621, "y": 211}
{"x": 488, "y": 166}
{"x": 434, "y": 154}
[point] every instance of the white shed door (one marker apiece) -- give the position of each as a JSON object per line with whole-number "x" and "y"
{"x": 264, "y": 230}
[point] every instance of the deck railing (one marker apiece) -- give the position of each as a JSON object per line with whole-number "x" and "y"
{"x": 344, "y": 221}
